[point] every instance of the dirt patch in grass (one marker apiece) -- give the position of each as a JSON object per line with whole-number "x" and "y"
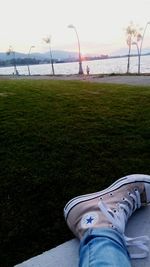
{"x": 5, "y": 94}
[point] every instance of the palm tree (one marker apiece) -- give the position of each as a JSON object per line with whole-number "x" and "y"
{"x": 32, "y": 46}
{"x": 140, "y": 49}
{"x": 10, "y": 50}
{"x": 47, "y": 40}
{"x": 139, "y": 41}
{"x": 131, "y": 33}
{"x": 71, "y": 26}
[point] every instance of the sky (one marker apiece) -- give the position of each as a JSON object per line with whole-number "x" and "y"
{"x": 100, "y": 24}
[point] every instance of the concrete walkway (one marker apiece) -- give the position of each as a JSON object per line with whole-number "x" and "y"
{"x": 66, "y": 255}
{"x": 116, "y": 79}
{"x": 132, "y": 80}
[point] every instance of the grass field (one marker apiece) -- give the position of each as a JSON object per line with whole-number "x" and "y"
{"x": 59, "y": 139}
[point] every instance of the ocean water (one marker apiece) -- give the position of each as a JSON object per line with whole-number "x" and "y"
{"x": 107, "y": 66}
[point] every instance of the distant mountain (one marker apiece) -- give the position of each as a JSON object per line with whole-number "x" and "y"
{"x": 57, "y": 54}
{"x": 4, "y": 56}
{"x": 60, "y": 55}
{"x": 124, "y": 51}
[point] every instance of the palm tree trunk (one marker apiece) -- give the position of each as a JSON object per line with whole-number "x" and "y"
{"x": 128, "y": 64}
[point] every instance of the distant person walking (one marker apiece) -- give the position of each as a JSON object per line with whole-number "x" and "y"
{"x": 87, "y": 70}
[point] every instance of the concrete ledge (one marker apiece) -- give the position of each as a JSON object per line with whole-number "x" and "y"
{"x": 66, "y": 255}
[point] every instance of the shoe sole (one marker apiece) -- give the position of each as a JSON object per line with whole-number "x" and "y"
{"x": 134, "y": 178}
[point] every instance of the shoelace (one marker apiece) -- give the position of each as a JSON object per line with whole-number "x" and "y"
{"x": 119, "y": 217}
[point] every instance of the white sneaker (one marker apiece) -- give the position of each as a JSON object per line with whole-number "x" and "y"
{"x": 111, "y": 208}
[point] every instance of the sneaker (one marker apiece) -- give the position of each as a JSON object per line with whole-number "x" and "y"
{"x": 111, "y": 207}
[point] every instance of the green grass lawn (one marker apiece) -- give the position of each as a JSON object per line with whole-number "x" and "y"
{"x": 59, "y": 139}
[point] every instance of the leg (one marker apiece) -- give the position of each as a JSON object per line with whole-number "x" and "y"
{"x": 103, "y": 247}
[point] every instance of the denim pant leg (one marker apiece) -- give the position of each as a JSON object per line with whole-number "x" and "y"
{"x": 103, "y": 247}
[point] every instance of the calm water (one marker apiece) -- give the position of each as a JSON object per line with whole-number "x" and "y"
{"x": 117, "y": 65}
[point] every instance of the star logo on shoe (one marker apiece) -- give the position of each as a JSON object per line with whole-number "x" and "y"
{"x": 89, "y": 219}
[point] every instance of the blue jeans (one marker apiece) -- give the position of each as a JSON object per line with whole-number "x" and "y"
{"x": 103, "y": 247}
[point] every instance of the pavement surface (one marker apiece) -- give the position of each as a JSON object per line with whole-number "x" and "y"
{"x": 116, "y": 79}
{"x": 131, "y": 80}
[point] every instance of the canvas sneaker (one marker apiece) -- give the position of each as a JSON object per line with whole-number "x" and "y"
{"x": 111, "y": 207}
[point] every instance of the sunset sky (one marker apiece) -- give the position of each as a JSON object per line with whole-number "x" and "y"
{"x": 100, "y": 24}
